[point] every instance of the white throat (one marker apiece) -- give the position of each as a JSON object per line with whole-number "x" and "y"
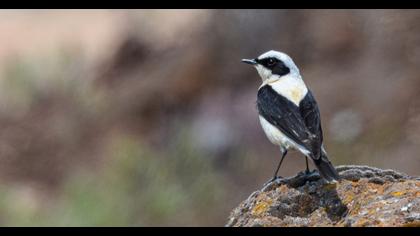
{"x": 291, "y": 85}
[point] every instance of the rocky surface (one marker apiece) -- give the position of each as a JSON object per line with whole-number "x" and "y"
{"x": 365, "y": 196}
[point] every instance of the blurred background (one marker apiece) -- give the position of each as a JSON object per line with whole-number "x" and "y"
{"x": 148, "y": 117}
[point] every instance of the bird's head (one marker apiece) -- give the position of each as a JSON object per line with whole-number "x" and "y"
{"x": 273, "y": 65}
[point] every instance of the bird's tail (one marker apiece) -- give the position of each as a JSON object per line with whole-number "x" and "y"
{"x": 326, "y": 169}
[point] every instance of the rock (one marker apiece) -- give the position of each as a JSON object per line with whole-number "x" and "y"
{"x": 365, "y": 196}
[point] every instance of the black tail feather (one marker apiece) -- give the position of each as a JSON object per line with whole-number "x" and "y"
{"x": 326, "y": 169}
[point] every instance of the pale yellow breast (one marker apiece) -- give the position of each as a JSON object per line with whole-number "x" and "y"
{"x": 290, "y": 87}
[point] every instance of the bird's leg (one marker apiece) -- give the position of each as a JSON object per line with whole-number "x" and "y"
{"x": 307, "y": 173}
{"x": 284, "y": 152}
{"x": 307, "y": 166}
{"x": 278, "y": 167}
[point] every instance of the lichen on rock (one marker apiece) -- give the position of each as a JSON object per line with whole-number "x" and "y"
{"x": 365, "y": 196}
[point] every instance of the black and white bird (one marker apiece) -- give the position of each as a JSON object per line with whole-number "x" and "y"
{"x": 288, "y": 112}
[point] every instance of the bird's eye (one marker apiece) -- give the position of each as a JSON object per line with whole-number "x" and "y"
{"x": 271, "y": 62}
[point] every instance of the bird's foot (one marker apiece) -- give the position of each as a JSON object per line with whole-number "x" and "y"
{"x": 307, "y": 172}
{"x": 274, "y": 181}
{"x": 308, "y": 175}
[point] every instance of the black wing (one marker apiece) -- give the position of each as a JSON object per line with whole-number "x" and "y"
{"x": 301, "y": 124}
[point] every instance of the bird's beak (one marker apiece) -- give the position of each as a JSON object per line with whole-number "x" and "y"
{"x": 249, "y": 61}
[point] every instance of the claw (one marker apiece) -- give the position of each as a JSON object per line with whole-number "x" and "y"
{"x": 308, "y": 172}
{"x": 272, "y": 183}
{"x": 273, "y": 180}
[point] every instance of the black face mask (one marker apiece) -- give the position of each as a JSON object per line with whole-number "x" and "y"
{"x": 276, "y": 66}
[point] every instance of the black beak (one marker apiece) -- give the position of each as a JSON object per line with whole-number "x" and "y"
{"x": 249, "y": 61}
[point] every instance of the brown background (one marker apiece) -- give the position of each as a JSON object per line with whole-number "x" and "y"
{"x": 148, "y": 118}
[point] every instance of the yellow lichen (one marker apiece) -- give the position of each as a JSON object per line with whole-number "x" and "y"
{"x": 261, "y": 207}
{"x": 355, "y": 209}
{"x": 349, "y": 197}
{"x": 398, "y": 193}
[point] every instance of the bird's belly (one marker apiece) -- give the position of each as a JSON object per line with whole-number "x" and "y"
{"x": 275, "y": 135}
{"x": 278, "y": 138}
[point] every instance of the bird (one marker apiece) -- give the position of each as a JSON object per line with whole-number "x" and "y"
{"x": 289, "y": 113}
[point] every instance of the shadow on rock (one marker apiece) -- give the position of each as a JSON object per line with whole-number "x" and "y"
{"x": 306, "y": 194}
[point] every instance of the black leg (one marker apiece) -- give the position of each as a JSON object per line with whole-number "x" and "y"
{"x": 307, "y": 166}
{"x": 278, "y": 167}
